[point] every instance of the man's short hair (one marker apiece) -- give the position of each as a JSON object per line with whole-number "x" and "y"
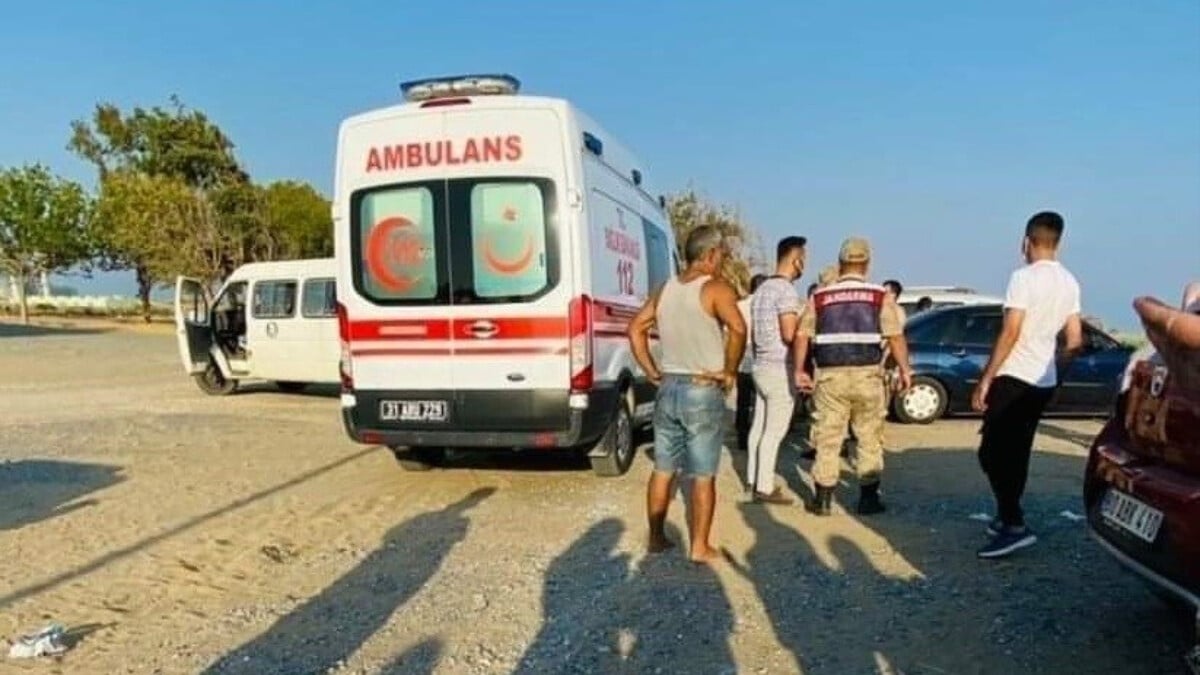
{"x": 894, "y": 285}
{"x": 1045, "y": 229}
{"x": 787, "y": 245}
{"x": 700, "y": 241}
{"x": 756, "y": 281}
{"x": 924, "y": 303}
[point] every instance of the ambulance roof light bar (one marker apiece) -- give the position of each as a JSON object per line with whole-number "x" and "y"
{"x": 459, "y": 85}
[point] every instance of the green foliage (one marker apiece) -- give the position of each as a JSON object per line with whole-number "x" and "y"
{"x": 44, "y": 225}
{"x": 689, "y": 210}
{"x": 299, "y": 219}
{"x": 175, "y": 141}
{"x": 174, "y": 199}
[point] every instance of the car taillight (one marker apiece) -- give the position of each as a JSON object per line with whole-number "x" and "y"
{"x": 579, "y": 323}
{"x": 346, "y": 363}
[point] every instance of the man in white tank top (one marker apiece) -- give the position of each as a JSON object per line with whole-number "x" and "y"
{"x": 703, "y": 336}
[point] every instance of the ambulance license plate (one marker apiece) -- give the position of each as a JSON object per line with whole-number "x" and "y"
{"x": 1131, "y": 515}
{"x": 413, "y": 411}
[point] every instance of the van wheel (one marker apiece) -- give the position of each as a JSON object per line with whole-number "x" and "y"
{"x": 419, "y": 459}
{"x": 291, "y": 387}
{"x": 213, "y": 382}
{"x": 922, "y": 403}
{"x": 613, "y": 454}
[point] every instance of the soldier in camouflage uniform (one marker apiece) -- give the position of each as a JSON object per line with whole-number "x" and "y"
{"x": 845, "y": 325}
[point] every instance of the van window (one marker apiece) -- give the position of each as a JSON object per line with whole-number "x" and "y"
{"x": 274, "y": 300}
{"x": 319, "y": 299}
{"x": 396, "y": 244}
{"x": 508, "y": 235}
{"x": 461, "y": 241}
{"x": 658, "y": 255}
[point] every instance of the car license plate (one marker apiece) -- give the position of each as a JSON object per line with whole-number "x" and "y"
{"x": 1131, "y": 515}
{"x": 413, "y": 411}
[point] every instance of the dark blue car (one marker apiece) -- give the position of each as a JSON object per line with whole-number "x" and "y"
{"x": 950, "y": 348}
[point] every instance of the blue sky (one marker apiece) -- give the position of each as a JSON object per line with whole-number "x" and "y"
{"x": 933, "y": 128}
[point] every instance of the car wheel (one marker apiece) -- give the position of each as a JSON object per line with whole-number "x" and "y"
{"x": 213, "y": 382}
{"x": 922, "y": 403}
{"x": 419, "y": 459}
{"x": 613, "y": 454}
{"x": 291, "y": 387}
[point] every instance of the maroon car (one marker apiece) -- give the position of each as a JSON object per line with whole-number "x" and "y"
{"x": 1142, "y": 487}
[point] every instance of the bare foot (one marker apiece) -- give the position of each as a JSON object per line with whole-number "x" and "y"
{"x": 706, "y": 556}
{"x": 659, "y": 544}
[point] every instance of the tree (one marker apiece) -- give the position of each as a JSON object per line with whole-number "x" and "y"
{"x": 140, "y": 224}
{"x": 175, "y": 141}
{"x": 186, "y": 156}
{"x": 299, "y": 219}
{"x": 44, "y": 226}
{"x": 689, "y": 210}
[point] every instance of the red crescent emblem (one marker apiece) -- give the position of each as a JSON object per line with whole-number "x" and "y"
{"x": 389, "y": 245}
{"x": 508, "y": 266}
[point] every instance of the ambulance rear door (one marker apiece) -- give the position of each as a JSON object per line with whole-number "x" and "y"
{"x": 510, "y": 269}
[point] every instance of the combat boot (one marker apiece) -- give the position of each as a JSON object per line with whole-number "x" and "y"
{"x": 822, "y": 502}
{"x": 868, "y": 500}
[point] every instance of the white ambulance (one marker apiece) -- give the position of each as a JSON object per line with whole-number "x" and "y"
{"x": 491, "y": 250}
{"x": 273, "y": 321}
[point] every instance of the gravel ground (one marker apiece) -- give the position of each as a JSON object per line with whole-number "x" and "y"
{"x": 178, "y": 533}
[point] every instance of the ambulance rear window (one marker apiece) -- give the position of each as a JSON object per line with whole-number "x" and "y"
{"x": 462, "y": 241}
{"x": 508, "y": 241}
{"x": 395, "y": 238}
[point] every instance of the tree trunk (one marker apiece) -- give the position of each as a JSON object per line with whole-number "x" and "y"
{"x": 22, "y": 297}
{"x": 145, "y": 286}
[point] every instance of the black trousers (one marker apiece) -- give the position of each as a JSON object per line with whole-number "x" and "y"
{"x": 745, "y": 409}
{"x": 1014, "y": 409}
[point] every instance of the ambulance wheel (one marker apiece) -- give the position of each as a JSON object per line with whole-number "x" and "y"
{"x": 922, "y": 403}
{"x": 614, "y": 452}
{"x": 419, "y": 459}
{"x": 291, "y": 387}
{"x": 213, "y": 382}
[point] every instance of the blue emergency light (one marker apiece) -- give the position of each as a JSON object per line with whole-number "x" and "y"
{"x": 459, "y": 85}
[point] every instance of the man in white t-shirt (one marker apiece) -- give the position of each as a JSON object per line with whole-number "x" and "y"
{"x": 1042, "y": 300}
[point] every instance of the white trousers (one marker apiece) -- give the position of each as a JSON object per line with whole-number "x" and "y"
{"x": 775, "y": 402}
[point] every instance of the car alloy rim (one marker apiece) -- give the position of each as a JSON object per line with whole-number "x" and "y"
{"x": 921, "y": 401}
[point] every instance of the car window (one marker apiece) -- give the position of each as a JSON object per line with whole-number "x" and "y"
{"x": 658, "y": 255}
{"x": 1095, "y": 339}
{"x": 977, "y": 329}
{"x": 274, "y": 300}
{"x": 319, "y": 299}
{"x": 927, "y": 330}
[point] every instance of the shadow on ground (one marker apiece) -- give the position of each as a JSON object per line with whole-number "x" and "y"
{"x": 308, "y": 391}
{"x": 330, "y": 627}
{"x": 33, "y": 490}
{"x": 16, "y": 330}
{"x": 915, "y": 599}
{"x": 602, "y": 616}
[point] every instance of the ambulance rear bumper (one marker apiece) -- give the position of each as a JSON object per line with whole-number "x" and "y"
{"x": 484, "y": 419}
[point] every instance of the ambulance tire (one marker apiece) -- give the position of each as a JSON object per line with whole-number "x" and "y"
{"x": 213, "y": 382}
{"x": 419, "y": 459}
{"x": 614, "y": 452}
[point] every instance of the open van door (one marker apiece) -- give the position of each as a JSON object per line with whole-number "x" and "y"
{"x": 192, "y": 324}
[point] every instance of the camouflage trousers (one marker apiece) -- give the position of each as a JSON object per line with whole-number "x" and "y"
{"x": 854, "y": 397}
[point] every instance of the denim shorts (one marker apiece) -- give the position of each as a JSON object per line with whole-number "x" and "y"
{"x": 689, "y": 427}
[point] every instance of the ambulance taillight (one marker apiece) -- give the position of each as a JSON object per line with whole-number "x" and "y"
{"x": 579, "y": 324}
{"x": 345, "y": 363}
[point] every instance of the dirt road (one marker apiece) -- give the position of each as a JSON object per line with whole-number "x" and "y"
{"x": 177, "y": 533}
